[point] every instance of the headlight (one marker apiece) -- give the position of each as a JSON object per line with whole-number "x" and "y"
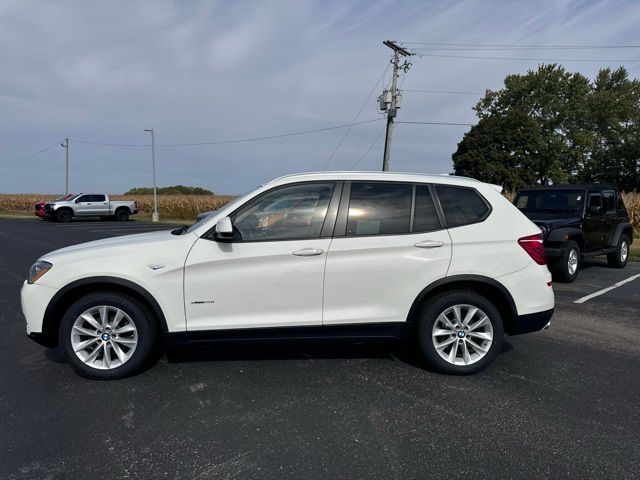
{"x": 37, "y": 270}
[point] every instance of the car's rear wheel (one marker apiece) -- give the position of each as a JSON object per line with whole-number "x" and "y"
{"x": 460, "y": 332}
{"x": 64, "y": 215}
{"x": 620, "y": 256}
{"x": 122, "y": 215}
{"x": 107, "y": 335}
{"x": 567, "y": 266}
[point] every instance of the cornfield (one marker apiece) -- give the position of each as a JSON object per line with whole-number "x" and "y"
{"x": 186, "y": 207}
{"x": 179, "y": 207}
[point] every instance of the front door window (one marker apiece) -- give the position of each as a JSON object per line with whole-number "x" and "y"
{"x": 288, "y": 213}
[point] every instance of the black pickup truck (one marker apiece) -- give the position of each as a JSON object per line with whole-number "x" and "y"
{"x": 578, "y": 221}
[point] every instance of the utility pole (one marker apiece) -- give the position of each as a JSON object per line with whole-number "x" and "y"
{"x": 154, "y": 216}
{"x": 65, "y": 145}
{"x": 390, "y": 100}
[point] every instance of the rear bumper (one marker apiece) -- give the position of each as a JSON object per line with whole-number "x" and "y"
{"x": 531, "y": 322}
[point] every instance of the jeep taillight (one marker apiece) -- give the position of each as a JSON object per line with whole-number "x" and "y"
{"x": 532, "y": 244}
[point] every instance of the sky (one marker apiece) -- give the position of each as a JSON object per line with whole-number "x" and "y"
{"x": 210, "y": 71}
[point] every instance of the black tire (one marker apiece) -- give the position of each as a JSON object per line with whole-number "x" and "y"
{"x": 561, "y": 269}
{"x": 122, "y": 215}
{"x": 65, "y": 215}
{"x": 147, "y": 332}
{"x": 616, "y": 259}
{"x": 435, "y": 306}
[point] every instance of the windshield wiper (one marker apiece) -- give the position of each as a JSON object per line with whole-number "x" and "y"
{"x": 181, "y": 230}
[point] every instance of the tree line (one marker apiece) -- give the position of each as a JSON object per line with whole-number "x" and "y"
{"x": 172, "y": 190}
{"x": 554, "y": 126}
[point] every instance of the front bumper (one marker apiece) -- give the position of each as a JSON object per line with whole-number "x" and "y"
{"x": 531, "y": 322}
{"x": 34, "y": 299}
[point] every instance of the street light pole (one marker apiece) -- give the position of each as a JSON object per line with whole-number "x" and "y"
{"x": 65, "y": 145}
{"x": 154, "y": 216}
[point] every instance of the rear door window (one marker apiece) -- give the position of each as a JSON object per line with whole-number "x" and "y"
{"x": 609, "y": 201}
{"x": 461, "y": 206}
{"x": 379, "y": 208}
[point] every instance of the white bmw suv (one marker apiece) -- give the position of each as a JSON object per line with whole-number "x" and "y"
{"x": 445, "y": 260}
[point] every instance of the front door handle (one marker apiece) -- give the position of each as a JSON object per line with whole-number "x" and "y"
{"x": 308, "y": 252}
{"x": 429, "y": 244}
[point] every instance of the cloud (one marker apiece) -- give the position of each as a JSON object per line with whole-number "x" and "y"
{"x": 207, "y": 71}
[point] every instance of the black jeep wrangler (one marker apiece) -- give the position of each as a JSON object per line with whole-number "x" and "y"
{"x": 578, "y": 221}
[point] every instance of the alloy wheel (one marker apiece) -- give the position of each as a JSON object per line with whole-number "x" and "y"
{"x": 462, "y": 334}
{"x": 572, "y": 262}
{"x": 104, "y": 337}
{"x": 624, "y": 251}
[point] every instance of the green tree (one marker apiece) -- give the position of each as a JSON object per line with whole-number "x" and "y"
{"x": 550, "y": 125}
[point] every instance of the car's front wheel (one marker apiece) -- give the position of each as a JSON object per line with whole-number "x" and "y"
{"x": 64, "y": 215}
{"x": 460, "y": 332}
{"x": 107, "y": 335}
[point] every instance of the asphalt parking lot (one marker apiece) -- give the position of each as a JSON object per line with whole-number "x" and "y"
{"x": 562, "y": 403}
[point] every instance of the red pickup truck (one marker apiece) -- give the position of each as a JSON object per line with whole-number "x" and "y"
{"x": 40, "y": 205}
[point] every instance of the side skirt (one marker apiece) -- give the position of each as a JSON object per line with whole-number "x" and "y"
{"x": 604, "y": 251}
{"x": 379, "y": 331}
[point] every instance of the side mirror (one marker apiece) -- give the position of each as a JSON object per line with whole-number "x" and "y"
{"x": 77, "y": 200}
{"x": 224, "y": 229}
{"x": 595, "y": 210}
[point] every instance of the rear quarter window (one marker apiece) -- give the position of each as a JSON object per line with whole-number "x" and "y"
{"x": 461, "y": 206}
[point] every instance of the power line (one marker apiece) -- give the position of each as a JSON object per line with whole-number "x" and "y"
{"x": 440, "y": 123}
{"x": 364, "y": 104}
{"x": 497, "y": 49}
{"x": 444, "y": 91}
{"x": 220, "y": 142}
{"x": 516, "y": 46}
{"x": 31, "y": 154}
{"x": 369, "y": 149}
{"x": 530, "y": 59}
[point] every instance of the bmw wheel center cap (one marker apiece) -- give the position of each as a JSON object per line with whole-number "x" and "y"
{"x": 461, "y": 333}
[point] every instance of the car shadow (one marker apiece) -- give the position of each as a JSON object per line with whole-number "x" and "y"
{"x": 228, "y": 351}
{"x": 282, "y": 350}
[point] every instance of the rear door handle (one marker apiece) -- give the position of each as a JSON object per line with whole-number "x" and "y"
{"x": 308, "y": 252}
{"x": 429, "y": 244}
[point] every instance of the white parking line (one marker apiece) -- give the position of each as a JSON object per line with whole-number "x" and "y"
{"x": 608, "y": 289}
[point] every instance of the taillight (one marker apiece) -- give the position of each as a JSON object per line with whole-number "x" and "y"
{"x": 532, "y": 244}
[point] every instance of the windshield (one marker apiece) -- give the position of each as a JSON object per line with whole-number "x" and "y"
{"x": 561, "y": 202}
{"x": 68, "y": 196}
{"x": 231, "y": 203}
